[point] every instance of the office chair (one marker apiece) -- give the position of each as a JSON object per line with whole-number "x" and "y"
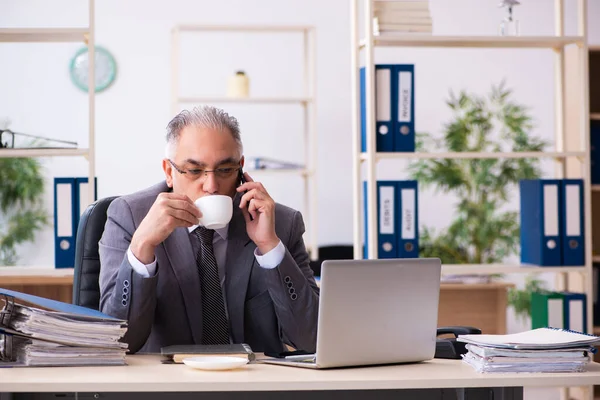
{"x": 334, "y": 252}
{"x": 86, "y": 288}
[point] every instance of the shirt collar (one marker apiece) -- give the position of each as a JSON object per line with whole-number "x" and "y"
{"x": 222, "y": 232}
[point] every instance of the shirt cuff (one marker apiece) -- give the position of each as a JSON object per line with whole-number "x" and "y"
{"x": 144, "y": 270}
{"x": 273, "y": 258}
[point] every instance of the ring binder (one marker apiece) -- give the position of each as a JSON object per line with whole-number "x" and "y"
{"x": 570, "y": 331}
{"x": 6, "y": 339}
{"x": 35, "y": 331}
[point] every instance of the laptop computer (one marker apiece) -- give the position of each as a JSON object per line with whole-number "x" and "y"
{"x": 374, "y": 312}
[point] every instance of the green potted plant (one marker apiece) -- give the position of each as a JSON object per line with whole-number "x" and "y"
{"x": 22, "y": 213}
{"x": 483, "y": 231}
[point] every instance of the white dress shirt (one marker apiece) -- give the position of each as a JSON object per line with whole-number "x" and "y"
{"x": 269, "y": 260}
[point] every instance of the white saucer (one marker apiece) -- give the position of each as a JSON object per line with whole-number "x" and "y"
{"x": 215, "y": 363}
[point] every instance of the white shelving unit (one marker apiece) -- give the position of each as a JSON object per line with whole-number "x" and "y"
{"x": 306, "y": 102}
{"x": 61, "y": 35}
{"x": 575, "y": 154}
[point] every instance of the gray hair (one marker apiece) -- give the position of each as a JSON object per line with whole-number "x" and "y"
{"x": 206, "y": 117}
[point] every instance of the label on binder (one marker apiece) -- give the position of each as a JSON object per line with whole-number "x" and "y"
{"x": 408, "y": 214}
{"x": 576, "y": 316}
{"x": 551, "y": 210}
{"x": 383, "y": 105}
{"x": 64, "y": 210}
{"x": 404, "y": 96}
{"x": 555, "y": 313}
{"x": 386, "y": 207}
{"x": 573, "y": 210}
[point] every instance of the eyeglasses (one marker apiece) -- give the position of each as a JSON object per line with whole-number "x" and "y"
{"x": 196, "y": 173}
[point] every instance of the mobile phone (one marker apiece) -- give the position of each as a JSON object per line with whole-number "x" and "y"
{"x": 241, "y": 177}
{"x": 242, "y": 181}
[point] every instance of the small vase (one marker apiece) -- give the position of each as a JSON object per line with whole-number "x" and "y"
{"x": 238, "y": 85}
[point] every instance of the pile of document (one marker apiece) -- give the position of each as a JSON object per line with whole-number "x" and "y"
{"x": 538, "y": 350}
{"x": 71, "y": 336}
{"x": 401, "y": 16}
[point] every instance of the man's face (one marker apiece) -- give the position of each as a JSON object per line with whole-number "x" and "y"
{"x": 204, "y": 149}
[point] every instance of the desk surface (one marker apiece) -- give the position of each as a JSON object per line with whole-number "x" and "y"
{"x": 146, "y": 374}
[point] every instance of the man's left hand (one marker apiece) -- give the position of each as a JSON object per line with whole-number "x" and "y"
{"x": 258, "y": 204}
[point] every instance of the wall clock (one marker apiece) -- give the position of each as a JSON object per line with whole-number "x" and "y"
{"x": 106, "y": 69}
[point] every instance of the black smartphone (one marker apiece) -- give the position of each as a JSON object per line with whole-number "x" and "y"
{"x": 242, "y": 181}
{"x": 241, "y": 177}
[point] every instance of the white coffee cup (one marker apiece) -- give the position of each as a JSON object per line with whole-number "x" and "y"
{"x": 216, "y": 210}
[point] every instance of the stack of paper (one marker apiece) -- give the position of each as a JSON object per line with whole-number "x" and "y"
{"x": 401, "y": 16}
{"x": 538, "y": 350}
{"x": 67, "y": 336}
{"x": 55, "y": 338}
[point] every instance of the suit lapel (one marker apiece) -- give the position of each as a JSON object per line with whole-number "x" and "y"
{"x": 238, "y": 265}
{"x": 183, "y": 262}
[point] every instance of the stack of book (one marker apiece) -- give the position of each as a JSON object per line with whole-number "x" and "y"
{"x": 60, "y": 335}
{"x": 401, "y": 16}
{"x": 538, "y": 350}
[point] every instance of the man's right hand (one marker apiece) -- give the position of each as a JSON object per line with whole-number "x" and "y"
{"x": 169, "y": 211}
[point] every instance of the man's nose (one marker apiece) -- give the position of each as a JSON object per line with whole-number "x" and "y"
{"x": 210, "y": 184}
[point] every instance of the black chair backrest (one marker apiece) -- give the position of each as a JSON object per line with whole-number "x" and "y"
{"x": 86, "y": 288}
{"x": 333, "y": 252}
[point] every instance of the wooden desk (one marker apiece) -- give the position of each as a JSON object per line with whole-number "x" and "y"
{"x": 145, "y": 374}
{"x": 56, "y": 284}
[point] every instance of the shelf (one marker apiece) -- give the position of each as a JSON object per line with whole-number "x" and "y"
{"x": 597, "y": 330}
{"x": 596, "y": 259}
{"x": 417, "y": 40}
{"x": 248, "y": 100}
{"x": 13, "y": 153}
{"x": 595, "y": 116}
{"x": 56, "y": 35}
{"x": 595, "y": 188}
{"x": 20, "y": 275}
{"x": 474, "y": 155}
{"x": 484, "y": 269}
{"x": 242, "y": 28}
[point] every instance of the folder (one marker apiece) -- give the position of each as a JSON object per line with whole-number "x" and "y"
{"x": 394, "y": 108}
{"x": 574, "y": 311}
{"x": 595, "y": 152}
{"x": 595, "y": 294}
{"x": 70, "y": 201}
{"x": 387, "y": 204}
{"x": 540, "y": 222}
{"x": 83, "y": 195}
{"x": 405, "y": 129}
{"x": 385, "y": 100}
{"x": 408, "y": 219}
{"x": 547, "y": 310}
{"x": 65, "y": 223}
{"x": 572, "y": 225}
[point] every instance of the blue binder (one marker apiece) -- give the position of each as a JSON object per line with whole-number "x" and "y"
{"x": 595, "y": 152}
{"x": 405, "y": 128}
{"x": 385, "y": 110}
{"x": 540, "y": 222}
{"x": 572, "y": 225}
{"x": 65, "y": 223}
{"x": 70, "y": 200}
{"x": 407, "y": 193}
{"x": 596, "y": 293}
{"x": 575, "y": 311}
{"x": 387, "y": 206}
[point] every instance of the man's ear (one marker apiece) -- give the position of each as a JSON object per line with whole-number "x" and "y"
{"x": 168, "y": 170}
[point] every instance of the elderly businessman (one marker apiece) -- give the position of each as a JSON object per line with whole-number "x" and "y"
{"x": 249, "y": 282}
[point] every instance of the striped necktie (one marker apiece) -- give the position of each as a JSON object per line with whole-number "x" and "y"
{"x": 215, "y": 328}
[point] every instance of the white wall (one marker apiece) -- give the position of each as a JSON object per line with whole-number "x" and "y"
{"x": 38, "y": 97}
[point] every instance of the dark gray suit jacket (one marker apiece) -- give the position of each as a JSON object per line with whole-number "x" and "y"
{"x": 267, "y": 307}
